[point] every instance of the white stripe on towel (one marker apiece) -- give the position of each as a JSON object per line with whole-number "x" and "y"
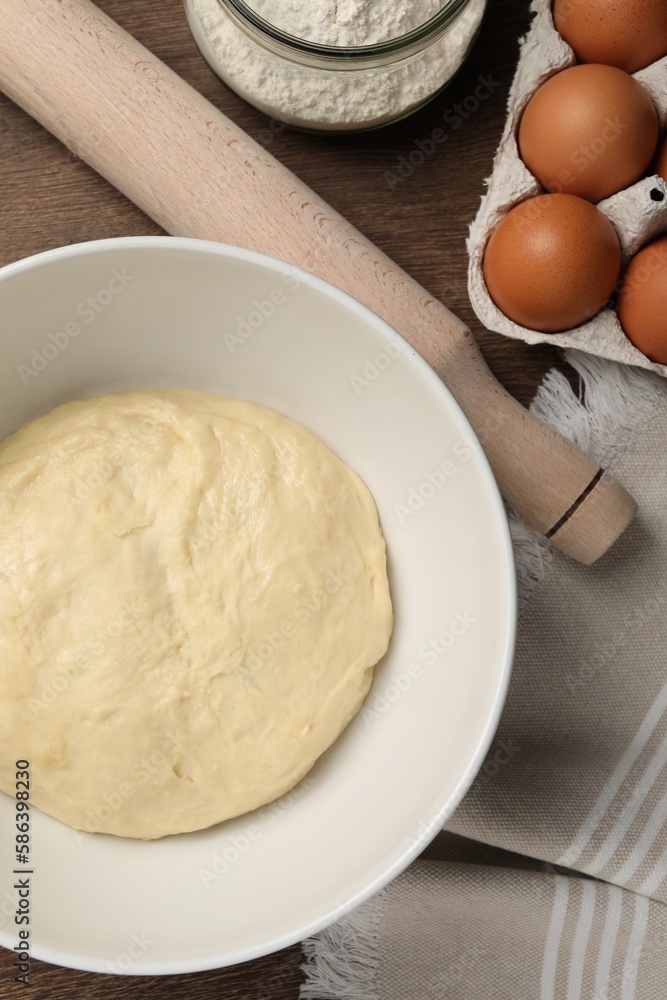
{"x": 635, "y": 944}
{"x": 552, "y": 946}
{"x": 644, "y": 785}
{"x": 613, "y": 785}
{"x": 612, "y": 922}
{"x": 652, "y": 830}
{"x": 580, "y": 945}
{"x": 652, "y": 882}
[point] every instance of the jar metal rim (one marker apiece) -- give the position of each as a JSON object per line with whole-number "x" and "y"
{"x": 348, "y": 56}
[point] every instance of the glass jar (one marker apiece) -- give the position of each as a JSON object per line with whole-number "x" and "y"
{"x": 320, "y": 87}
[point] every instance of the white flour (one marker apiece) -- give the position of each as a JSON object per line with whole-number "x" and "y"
{"x": 346, "y": 22}
{"x": 333, "y": 99}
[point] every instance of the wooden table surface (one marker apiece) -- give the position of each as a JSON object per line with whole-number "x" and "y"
{"x": 48, "y": 198}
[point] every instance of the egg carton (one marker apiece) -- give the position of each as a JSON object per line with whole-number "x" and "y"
{"x": 638, "y": 213}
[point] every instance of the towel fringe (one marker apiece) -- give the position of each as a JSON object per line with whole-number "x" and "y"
{"x": 341, "y": 961}
{"x": 615, "y": 401}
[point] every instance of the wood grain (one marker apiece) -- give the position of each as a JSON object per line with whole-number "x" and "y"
{"x": 48, "y": 198}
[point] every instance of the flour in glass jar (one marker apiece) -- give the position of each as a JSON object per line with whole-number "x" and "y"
{"x": 346, "y": 22}
{"x": 326, "y": 98}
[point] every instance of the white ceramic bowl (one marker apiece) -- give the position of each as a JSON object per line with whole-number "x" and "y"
{"x": 148, "y": 312}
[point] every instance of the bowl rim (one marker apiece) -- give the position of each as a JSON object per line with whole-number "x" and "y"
{"x": 505, "y": 653}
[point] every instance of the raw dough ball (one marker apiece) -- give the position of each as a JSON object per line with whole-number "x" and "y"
{"x": 193, "y": 594}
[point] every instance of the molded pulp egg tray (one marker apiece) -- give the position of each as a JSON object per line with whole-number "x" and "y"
{"x": 638, "y": 213}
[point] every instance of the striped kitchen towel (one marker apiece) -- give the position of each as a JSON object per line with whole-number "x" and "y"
{"x": 561, "y": 892}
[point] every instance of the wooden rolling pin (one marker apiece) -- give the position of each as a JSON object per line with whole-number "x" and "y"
{"x": 197, "y": 174}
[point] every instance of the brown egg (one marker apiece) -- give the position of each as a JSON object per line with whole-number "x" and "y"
{"x": 642, "y": 301}
{"x": 629, "y": 34}
{"x": 589, "y": 131}
{"x": 552, "y": 262}
{"x": 660, "y": 165}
